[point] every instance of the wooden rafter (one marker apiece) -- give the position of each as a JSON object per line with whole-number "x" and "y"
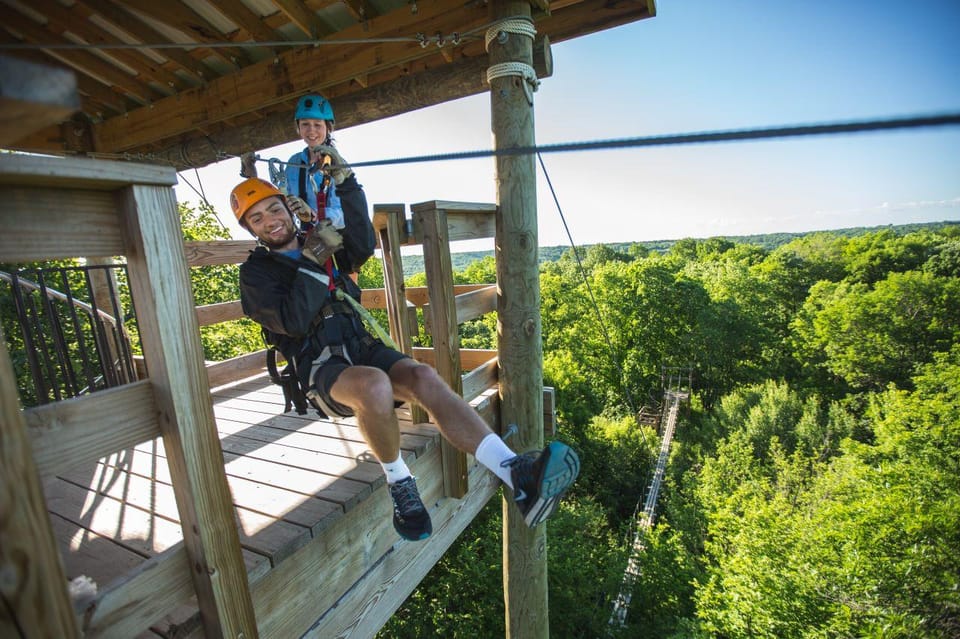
{"x": 246, "y": 19}
{"x": 145, "y": 33}
{"x": 199, "y": 90}
{"x": 305, "y": 19}
{"x": 188, "y": 21}
{"x": 62, "y": 19}
{"x": 292, "y": 73}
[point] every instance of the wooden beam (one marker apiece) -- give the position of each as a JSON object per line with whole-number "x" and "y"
{"x": 251, "y": 22}
{"x": 406, "y": 93}
{"x": 480, "y": 380}
{"x": 132, "y": 24}
{"x": 446, "y": 338}
{"x": 420, "y": 295}
{"x": 466, "y": 220}
{"x": 61, "y": 19}
{"x": 81, "y": 174}
{"x": 230, "y": 370}
{"x": 160, "y": 283}
{"x": 84, "y": 429}
{"x": 470, "y": 358}
{"x": 221, "y": 312}
{"x": 390, "y": 224}
{"x": 182, "y": 17}
{"x": 518, "y": 323}
{"x": 33, "y": 96}
{"x": 95, "y": 97}
{"x": 469, "y": 306}
{"x": 128, "y": 605}
{"x": 90, "y": 229}
{"x": 303, "y": 18}
{"x": 218, "y": 252}
{"x": 34, "y": 585}
{"x": 289, "y": 74}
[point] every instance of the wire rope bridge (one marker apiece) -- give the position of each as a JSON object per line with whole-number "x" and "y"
{"x": 179, "y": 487}
{"x": 675, "y": 393}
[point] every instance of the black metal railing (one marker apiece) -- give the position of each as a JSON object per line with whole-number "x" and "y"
{"x": 67, "y": 331}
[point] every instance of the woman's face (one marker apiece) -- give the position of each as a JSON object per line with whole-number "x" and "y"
{"x": 313, "y": 132}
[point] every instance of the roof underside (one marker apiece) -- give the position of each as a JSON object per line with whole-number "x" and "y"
{"x": 229, "y": 84}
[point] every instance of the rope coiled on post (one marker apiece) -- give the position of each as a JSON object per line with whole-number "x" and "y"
{"x": 520, "y": 26}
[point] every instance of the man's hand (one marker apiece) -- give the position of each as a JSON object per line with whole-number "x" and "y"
{"x": 340, "y": 170}
{"x": 300, "y": 208}
{"x": 322, "y": 242}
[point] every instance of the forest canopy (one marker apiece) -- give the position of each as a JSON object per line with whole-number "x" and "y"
{"x": 813, "y": 488}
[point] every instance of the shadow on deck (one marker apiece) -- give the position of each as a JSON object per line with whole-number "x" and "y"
{"x": 274, "y": 523}
{"x": 314, "y": 521}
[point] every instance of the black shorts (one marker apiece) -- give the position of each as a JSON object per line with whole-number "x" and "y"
{"x": 364, "y": 350}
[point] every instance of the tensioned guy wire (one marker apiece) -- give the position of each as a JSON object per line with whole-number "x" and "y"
{"x": 614, "y": 355}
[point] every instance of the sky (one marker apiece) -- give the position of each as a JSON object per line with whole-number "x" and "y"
{"x": 698, "y": 66}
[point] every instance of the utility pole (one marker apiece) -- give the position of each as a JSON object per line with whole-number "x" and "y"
{"x": 518, "y": 305}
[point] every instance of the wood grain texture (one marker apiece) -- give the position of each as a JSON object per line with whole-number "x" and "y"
{"x": 34, "y": 584}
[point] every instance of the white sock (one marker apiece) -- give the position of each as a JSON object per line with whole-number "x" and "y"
{"x": 491, "y": 453}
{"x": 396, "y": 470}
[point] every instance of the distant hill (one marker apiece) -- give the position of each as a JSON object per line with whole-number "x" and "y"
{"x": 414, "y": 263}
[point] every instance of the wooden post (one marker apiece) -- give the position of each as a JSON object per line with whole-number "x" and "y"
{"x": 446, "y": 336}
{"x": 160, "y": 286}
{"x": 518, "y": 308}
{"x": 388, "y": 220}
{"x": 33, "y": 583}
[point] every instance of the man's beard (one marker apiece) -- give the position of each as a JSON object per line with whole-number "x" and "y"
{"x": 279, "y": 244}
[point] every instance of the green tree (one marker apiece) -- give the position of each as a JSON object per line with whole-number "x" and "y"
{"x": 214, "y": 285}
{"x": 871, "y": 337}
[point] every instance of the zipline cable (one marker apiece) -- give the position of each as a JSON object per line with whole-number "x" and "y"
{"x": 673, "y": 139}
{"x": 703, "y": 137}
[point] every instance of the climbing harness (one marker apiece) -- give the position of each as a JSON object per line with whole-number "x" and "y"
{"x": 367, "y": 317}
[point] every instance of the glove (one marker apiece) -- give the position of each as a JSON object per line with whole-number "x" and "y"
{"x": 322, "y": 242}
{"x": 340, "y": 170}
{"x": 300, "y": 208}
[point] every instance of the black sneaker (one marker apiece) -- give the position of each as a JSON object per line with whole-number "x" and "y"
{"x": 410, "y": 516}
{"x": 540, "y": 478}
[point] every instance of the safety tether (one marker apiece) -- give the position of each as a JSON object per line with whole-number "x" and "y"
{"x": 368, "y": 317}
{"x": 498, "y": 31}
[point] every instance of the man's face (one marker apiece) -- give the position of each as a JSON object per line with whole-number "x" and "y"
{"x": 271, "y": 223}
{"x": 313, "y": 132}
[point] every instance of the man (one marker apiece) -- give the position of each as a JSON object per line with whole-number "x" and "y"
{"x": 291, "y": 286}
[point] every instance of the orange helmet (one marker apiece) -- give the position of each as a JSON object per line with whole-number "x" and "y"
{"x": 248, "y": 193}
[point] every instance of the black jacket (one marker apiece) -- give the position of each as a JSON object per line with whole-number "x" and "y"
{"x": 284, "y": 296}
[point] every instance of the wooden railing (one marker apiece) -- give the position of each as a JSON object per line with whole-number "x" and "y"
{"x": 433, "y": 226}
{"x": 129, "y": 211}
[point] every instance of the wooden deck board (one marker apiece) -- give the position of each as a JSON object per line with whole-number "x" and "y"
{"x": 291, "y": 477}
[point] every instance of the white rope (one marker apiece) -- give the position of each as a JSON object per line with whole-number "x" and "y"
{"x": 498, "y": 31}
{"x": 520, "y": 26}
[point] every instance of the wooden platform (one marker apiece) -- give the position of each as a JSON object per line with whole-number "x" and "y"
{"x": 291, "y": 477}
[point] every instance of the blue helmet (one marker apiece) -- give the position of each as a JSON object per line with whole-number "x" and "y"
{"x": 313, "y": 107}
